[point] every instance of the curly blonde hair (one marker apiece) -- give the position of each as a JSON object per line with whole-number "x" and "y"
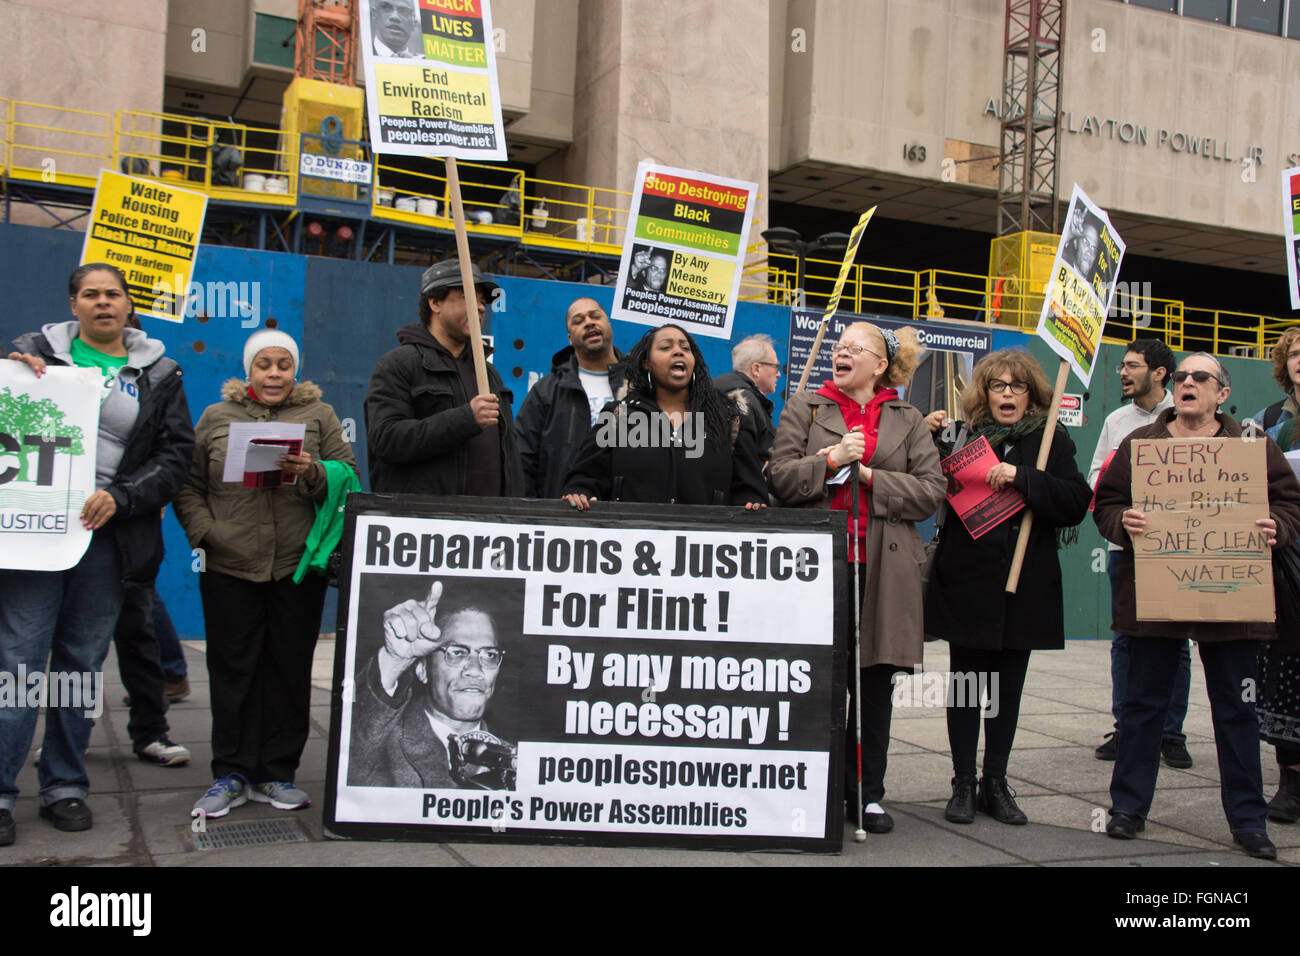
{"x": 1022, "y": 366}
{"x": 906, "y": 359}
{"x": 1288, "y": 339}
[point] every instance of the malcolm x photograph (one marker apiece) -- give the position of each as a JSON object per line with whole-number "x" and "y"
{"x": 432, "y": 654}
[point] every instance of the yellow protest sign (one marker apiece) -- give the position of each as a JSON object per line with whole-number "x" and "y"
{"x": 151, "y": 232}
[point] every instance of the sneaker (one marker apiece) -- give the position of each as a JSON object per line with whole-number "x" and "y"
{"x": 70, "y": 814}
{"x": 1175, "y": 754}
{"x": 281, "y": 794}
{"x": 7, "y": 830}
{"x": 1107, "y": 750}
{"x": 163, "y": 751}
{"x": 961, "y": 808}
{"x": 176, "y": 689}
{"x": 224, "y": 795}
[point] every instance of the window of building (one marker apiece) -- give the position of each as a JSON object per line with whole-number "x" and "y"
{"x": 1293, "y": 21}
{"x": 1216, "y": 11}
{"x": 1264, "y": 16}
{"x": 1169, "y": 6}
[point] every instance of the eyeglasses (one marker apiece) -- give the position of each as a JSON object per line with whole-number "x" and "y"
{"x": 457, "y": 655}
{"x": 1129, "y": 367}
{"x": 853, "y": 349}
{"x": 1199, "y": 377}
{"x": 998, "y": 386}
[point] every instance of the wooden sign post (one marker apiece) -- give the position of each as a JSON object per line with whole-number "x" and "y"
{"x": 467, "y": 275}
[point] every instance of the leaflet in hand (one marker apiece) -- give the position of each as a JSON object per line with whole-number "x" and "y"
{"x": 969, "y": 495}
{"x": 254, "y": 448}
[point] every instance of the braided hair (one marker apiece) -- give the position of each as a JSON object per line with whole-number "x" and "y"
{"x": 701, "y": 395}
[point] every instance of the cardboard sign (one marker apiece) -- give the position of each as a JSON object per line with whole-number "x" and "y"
{"x": 1079, "y": 293}
{"x": 980, "y": 508}
{"x": 1202, "y": 557}
{"x": 151, "y": 232}
{"x": 49, "y": 429}
{"x": 431, "y": 78}
{"x": 684, "y": 250}
{"x": 620, "y": 679}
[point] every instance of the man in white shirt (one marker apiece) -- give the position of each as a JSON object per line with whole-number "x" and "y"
{"x": 1144, "y": 373}
{"x": 560, "y": 408}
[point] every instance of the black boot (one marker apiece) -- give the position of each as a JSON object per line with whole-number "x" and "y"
{"x": 995, "y": 799}
{"x": 961, "y": 808}
{"x": 1285, "y": 807}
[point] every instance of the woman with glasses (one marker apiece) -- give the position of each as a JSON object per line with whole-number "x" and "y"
{"x": 990, "y": 632}
{"x": 1228, "y": 650}
{"x": 857, "y": 420}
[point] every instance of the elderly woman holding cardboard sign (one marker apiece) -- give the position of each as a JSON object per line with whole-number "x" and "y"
{"x": 1227, "y": 648}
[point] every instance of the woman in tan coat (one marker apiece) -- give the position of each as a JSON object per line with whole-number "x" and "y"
{"x": 260, "y": 625}
{"x": 858, "y": 420}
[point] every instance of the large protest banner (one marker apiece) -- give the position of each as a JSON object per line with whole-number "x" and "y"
{"x": 1291, "y": 217}
{"x": 1202, "y": 557}
{"x": 1079, "y": 294}
{"x": 950, "y": 356}
{"x": 48, "y": 429}
{"x": 151, "y": 232}
{"x": 431, "y": 78}
{"x": 684, "y": 249}
{"x": 639, "y": 676}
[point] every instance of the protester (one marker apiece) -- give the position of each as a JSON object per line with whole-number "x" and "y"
{"x": 428, "y": 430}
{"x": 1228, "y": 650}
{"x": 1286, "y": 372}
{"x": 65, "y": 619}
{"x": 1279, "y": 691}
{"x": 858, "y": 420}
{"x": 139, "y": 662}
{"x": 1144, "y": 376}
{"x": 560, "y": 408}
{"x": 261, "y": 625}
{"x": 754, "y": 375}
{"x": 670, "y": 438}
{"x": 990, "y": 632}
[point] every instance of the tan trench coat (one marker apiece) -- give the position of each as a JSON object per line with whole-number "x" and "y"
{"x": 907, "y": 486}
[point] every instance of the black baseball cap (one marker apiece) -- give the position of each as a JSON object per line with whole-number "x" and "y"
{"x": 446, "y": 275}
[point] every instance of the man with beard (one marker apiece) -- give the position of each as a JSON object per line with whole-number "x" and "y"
{"x": 418, "y": 720}
{"x": 559, "y": 410}
{"x": 1144, "y": 375}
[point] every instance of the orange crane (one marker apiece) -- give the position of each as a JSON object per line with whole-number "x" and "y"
{"x": 326, "y": 41}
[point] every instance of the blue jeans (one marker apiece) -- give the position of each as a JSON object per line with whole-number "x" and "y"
{"x": 65, "y": 618}
{"x": 1236, "y": 728}
{"x": 1119, "y": 664}
{"x": 169, "y": 643}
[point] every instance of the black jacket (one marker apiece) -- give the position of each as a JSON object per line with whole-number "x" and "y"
{"x": 609, "y": 470}
{"x": 418, "y": 420}
{"x": 755, "y": 405}
{"x": 966, "y": 602}
{"x": 154, "y": 462}
{"x": 553, "y": 420}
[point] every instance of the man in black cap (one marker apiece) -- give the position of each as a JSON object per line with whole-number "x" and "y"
{"x": 428, "y": 430}
{"x": 559, "y": 409}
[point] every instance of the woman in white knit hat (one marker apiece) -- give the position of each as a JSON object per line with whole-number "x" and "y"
{"x": 261, "y": 626}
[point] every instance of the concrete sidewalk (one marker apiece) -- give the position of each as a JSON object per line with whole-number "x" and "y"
{"x": 142, "y": 811}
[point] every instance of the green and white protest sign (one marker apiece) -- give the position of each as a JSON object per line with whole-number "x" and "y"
{"x": 48, "y": 434}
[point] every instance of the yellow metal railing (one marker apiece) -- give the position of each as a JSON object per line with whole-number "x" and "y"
{"x": 70, "y": 146}
{"x": 55, "y": 143}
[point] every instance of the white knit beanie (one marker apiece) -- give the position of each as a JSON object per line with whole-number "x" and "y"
{"x": 269, "y": 339}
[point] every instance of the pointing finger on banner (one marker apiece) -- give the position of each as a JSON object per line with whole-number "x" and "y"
{"x": 431, "y": 608}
